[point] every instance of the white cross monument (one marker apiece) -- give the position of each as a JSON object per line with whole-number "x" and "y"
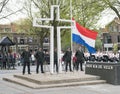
{"x": 36, "y": 24}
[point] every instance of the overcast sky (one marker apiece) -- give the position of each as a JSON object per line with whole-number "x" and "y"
{"x": 107, "y": 16}
{"x": 13, "y": 5}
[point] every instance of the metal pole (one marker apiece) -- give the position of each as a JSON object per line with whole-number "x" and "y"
{"x": 71, "y": 29}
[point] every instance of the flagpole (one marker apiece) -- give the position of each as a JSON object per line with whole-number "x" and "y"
{"x": 71, "y": 21}
{"x": 71, "y": 28}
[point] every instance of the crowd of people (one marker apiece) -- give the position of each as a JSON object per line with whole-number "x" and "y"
{"x": 7, "y": 60}
{"x": 40, "y": 57}
{"x": 103, "y": 57}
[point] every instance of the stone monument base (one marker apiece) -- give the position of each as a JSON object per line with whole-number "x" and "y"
{"x": 107, "y": 71}
{"x": 39, "y": 81}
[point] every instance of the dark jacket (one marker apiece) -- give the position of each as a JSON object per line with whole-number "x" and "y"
{"x": 39, "y": 56}
{"x": 26, "y": 56}
{"x": 67, "y": 56}
{"x": 55, "y": 56}
{"x": 80, "y": 56}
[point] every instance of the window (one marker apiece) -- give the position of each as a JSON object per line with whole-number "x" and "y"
{"x": 30, "y": 39}
{"x": 15, "y": 39}
{"x": 110, "y": 28}
{"x": 117, "y": 28}
{"x": 46, "y": 40}
{"x": 105, "y": 49}
{"x": 7, "y": 29}
{"x": 1, "y": 30}
{"x": 21, "y": 41}
{"x": 110, "y": 49}
{"x": 118, "y": 48}
{"x": 108, "y": 39}
{"x": 118, "y": 38}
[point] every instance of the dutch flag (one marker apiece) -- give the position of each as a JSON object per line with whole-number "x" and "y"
{"x": 84, "y": 37}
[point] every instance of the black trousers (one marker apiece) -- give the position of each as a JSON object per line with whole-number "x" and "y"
{"x": 26, "y": 63}
{"x": 77, "y": 65}
{"x": 39, "y": 63}
{"x": 66, "y": 67}
{"x": 4, "y": 64}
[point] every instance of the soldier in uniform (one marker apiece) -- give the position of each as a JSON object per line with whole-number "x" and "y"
{"x": 80, "y": 58}
{"x": 40, "y": 59}
{"x": 67, "y": 59}
{"x": 26, "y": 60}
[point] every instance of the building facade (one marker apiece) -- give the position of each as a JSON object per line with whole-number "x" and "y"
{"x": 111, "y": 35}
{"x": 22, "y": 39}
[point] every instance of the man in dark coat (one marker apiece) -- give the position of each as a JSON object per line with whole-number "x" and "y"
{"x": 80, "y": 59}
{"x": 26, "y": 60}
{"x": 55, "y": 60}
{"x": 67, "y": 59}
{"x": 40, "y": 59}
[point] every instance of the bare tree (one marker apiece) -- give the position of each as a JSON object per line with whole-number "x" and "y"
{"x": 3, "y": 3}
{"x": 113, "y": 5}
{"x": 5, "y": 10}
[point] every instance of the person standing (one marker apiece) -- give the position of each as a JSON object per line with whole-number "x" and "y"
{"x": 26, "y": 59}
{"x": 1, "y": 59}
{"x": 14, "y": 60}
{"x": 10, "y": 60}
{"x": 74, "y": 62}
{"x": 67, "y": 59}
{"x": 56, "y": 60}
{"x": 40, "y": 58}
{"x": 80, "y": 58}
{"x": 4, "y": 61}
{"x": 33, "y": 57}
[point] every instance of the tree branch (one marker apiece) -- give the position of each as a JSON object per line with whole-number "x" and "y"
{"x": 3, "y": 4}
{"x": 10, "y": 14}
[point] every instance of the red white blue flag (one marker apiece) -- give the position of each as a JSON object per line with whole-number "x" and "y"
{"x": 84, "y": 36}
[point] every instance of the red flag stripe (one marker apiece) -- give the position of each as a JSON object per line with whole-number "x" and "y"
{"x": 86, "y": 32}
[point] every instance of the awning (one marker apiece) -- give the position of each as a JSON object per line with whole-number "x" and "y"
{"x": 6, "y": 41}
